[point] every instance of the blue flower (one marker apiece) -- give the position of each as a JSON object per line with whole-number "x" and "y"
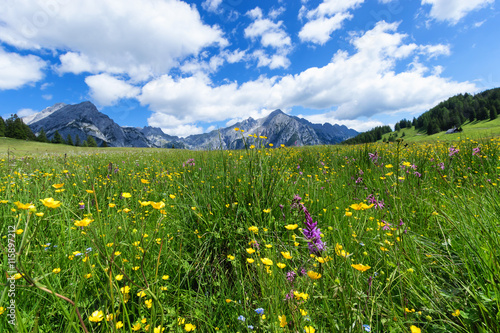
{"x": 367, "y": 328}
{"x": 259, "y": 311}
{"x": 250, "y": 327}
{"x": 241, "y": 318}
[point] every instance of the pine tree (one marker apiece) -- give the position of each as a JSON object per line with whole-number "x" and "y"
{"x": 84, "y": 144}
{"x": 57, "y": 138}
{"x": 42, "y": 136}
{"x": 91, "y": 141}
{"x": 493, "y": 113}
{"x": 472, "y": 115}
{"x": 77, "y": 141}
{"x": 104, "y": 144}
{"x": 2, "y": 127}
{"x": 69, "y": 141}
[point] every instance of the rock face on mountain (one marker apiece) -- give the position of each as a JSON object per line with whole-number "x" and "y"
{"x": 84, "y": 119}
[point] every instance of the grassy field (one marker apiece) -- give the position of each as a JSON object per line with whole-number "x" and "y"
{"x": 147, "y": 240}
{"x": 476, "y": 130}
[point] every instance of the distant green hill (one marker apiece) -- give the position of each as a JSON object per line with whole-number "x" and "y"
{"x": 476, "y": 116}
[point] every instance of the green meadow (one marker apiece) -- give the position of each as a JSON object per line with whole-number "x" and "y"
{"x": 383, "y": 237}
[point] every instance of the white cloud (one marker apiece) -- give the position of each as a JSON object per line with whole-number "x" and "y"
{"x": 137, "y": 38}
{"x": 211, "y": 5}
{"x": 47, "y": 97}
{"x": 17, "y": 71}
{"x": 107, "y": 90}
{"x": 362, "y": 84}
{"x": 325, "y": 19}
{"x": 454, "y": 10}
{"x": 25, "y": 112}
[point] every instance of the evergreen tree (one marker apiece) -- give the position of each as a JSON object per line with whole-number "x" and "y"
{"x": 483, "y": 113}
{"x": 42, "y": 136}
{"x": 472, "y": 115}
{"x": 2, "y": 127}
{"x": 57, "y": 138}
{"x": 69, "y": 141}
{"x": 77, "y": 141}
{"x": 493, "y": 113}
{"x": 91, "y": 141}
{"x": 84, "y": 144}
{"x": 15, "y": 128}
{"x": 432, "y": 128}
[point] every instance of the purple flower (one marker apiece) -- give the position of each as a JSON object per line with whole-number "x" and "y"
{"x": 418, "y": 174}
{"x": 476, "y": 151}
{"x": 452, "y": 151}
{"x": 373, "y": 157}
{"x": 290, "y": 276}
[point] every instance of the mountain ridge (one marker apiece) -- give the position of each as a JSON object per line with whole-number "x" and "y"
{"x": 84, "y": 119}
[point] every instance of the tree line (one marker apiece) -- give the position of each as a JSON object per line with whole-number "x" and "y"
{"x": 452, "y": 113}
{"x": 15, "y": 128}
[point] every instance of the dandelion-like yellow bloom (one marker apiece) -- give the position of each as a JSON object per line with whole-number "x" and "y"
{"x": 58, "y": 185}
{"x": 253, "y": 229}
{"x": 24, "y": 206}
{"x": 109, "y": 317}
{"x": 189, "y": 327}
{"x": 456, "y": 313}
{"x": 172, "y": 196}
{"x": 149, "y": 303}
{"x": 136, "y": 326}
{"x": 309, "y": 329}
{"x": 415, "y": 329}
{"x": 250, "y": 260}
{"x": 144, "y": 203}
{"x": 19, "y": 231}
{"x": 119, "y": 324}
{"x": 111, "y": 205}
{"x": 313, "y": 275}
{"x": 348, "y": 214}
{"x": 119, "y": 277}
{"x": 282, "y": 320}
{"x": 56, "y": 270}
{"x": 158, "y": 205}
{"x": 50, "y": 202}
{"x": 250, "y": 250}
{"x": 267, "y": 211}
{"x": 125, "y": 290}
{"x": 89, "y": 191}
{"x": 291, "y": 226}
{"x": 281, "y": 265}
{"x": 126, "y": 195}
{"x": 361, "y": 267}
{"x": 2, "y": 310}
{"x": 286, "y": 255}
{"x": 158, "y": 329}
{"x": 230, "y": 257}
{"x": 83, "y": 223}
{"x": 266, "y": 261}
{"x": 96, "y": 316}
{"x": 144, "y": 181}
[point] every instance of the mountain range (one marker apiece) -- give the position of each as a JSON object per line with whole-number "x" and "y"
{"x": 84, "y": 119}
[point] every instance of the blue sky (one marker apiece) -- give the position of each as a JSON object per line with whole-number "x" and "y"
{"x": 192, "y": 66}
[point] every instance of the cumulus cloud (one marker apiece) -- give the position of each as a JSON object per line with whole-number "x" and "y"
{"x": 361, "y": 84}
{"x": 272, "y": 36}
{"x": 137, "y": 38}
{"x": 325, "y": 19}
{"x": 17, "y": 71}
{"x": 107, "y": 90}
{"x": 26, "y": 112}
{"x": 211, "y": 5}
{"x": 454, "y": 10}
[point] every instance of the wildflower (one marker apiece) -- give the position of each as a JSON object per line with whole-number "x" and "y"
{"x": 313, "y": 275}
{"x": 2, "y": 310}
{"x": 189, "y": 327}
{"x": 109, "y": 317}
{"x": 141, "y": 293}
{"x": 149, "y": 303}
{"x": 89, "y": 191}
{"x": 281, "y": 265}
{"x": 250, "y": 250}
{"x": 414, "y": 329}
{"x": 253, "y": 229}
{"x": 312, "y": 233}
{"x": 24, "y": 206}
{"x": 126, "y": 195}
{"x": 157, "y": 205}
{"x": 282, "y": 320}
{"x": 290, "y": 276}
{"x": 236, "y": 129}
{"x": 259, "y": 311}
{"x": 81, "y": 205}
{"x": 302, "y": 296}
{"x": 388, "y": 166}
{"x": 56, "y": 270}
{"x": 83, "y": 223}
{"x": 291, "y": 226}
{"x": 309, "y": 329}
{"x": 111, "y": 205}
{"x": 230, "y": 257}
{"x": 241, "y": 318}
{"x": 158, "y": 329}
{"x": 119, "y": 324}
{"x": 165, "y": 277}
{"x": 367, "y": 328}
{"x": 456, "y": 313}
{"x": 144, "y": 181}
{"x": 361, "y": 267}
{"x": 286, "y": 255}
{"x": 266, "y": 261}
{"x": 125, "y": 290}
{"x": 16, "y": 276}
{"x": 119, "y": 277}
{"x": 87, "y": 276}
{"x": 348, "y": 214}
{"x": 136, "y": 326}
{"x": 40, "y": 214}
{"x": 250, "y": 260}
{"x": 267, "y": 211}
{"x": 96, "y": 316}
{"x": 19, "y": 231}
{"x": 172, "y": 196}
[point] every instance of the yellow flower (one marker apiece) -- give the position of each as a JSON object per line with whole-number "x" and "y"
{"x": 126, "y": 195}
{"x": 119, "y": 277}
{"x": 125, "y": 290}
{"x": 19, "y": 231}
{"x": 228, "y": 300}
{"x": 252, "y": 147}
{"x": 253, "y": 229}
{"x": 230, "y": 257}
{"x": 159, "y": 329}
{"x": 361, "y": 267}
{"x": 189, "y": 327}
{"x": 309, "y": 329}
{"x": 96, "y": 316}
{"x": 236, "y": 129}
{"x": 17, "y": 276}
{"x": 2, "y": 310}
{"x": 250, "y": 250}
{"x": 266, "y": 261}
{"x": 361, "y": 206}
{"x": 299, "y": 296}
{"x": 291, "y": 226}
{"x": 158, "y": 205}
{"x": 388, "y": 166}
{"x": 144, "y": 181}
{"x": 180, "y": 321}
{"x": 281, "y": 265}
{"x": 58, "y": 185}
{"x": 83, "y": 223}
{"x": 87, "y": 276}
{"x": 149, "y": 303}
{"x": 250, "y": 260}
{"x": 89, "y": 191}
{"x": 56, "y": 270}
{"x": 414, "y": 329}
{"x": 172, "y": 196}
{"x": 456, "y": 313}
{"x": 141, "y": 293}
{"x": 111, "y": 205}
{"x": 24, "y": 206}
{"x": 109, "y": 317}
{"x": 40, "y": 214}
{"x": 165, "y": 277}
{"x": 144, "y": 203}
{"x": 136, "y": 326}
{"x": 126, "y": 210}
{"x": 313, "y": 275}
{"x": 303, "y": 312}
{"x": 282, "y": 320}
{"x": 286, "y": 255}
{"x": 348, "y": 214}
{"x": 267, "y": 211}
{"x": 119, "y": 324}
